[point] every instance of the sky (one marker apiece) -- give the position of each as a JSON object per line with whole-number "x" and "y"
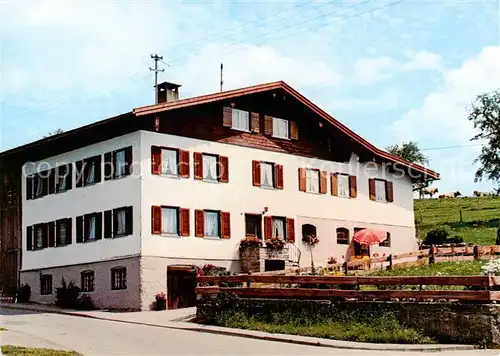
{"x": 390, "y": 70}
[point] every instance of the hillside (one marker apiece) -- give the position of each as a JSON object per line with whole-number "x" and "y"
{"x": 480, "y": 217}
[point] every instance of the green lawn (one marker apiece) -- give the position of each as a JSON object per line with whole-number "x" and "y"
{"x": 379, "y": 327}
{"x": 480, "y": 217}
{"x": 28, "y": 351}
{"x": 461, "y": 268}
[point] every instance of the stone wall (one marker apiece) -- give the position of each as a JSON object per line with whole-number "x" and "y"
{"x": 253, "y": 259}
{"x": 447, "y": 322}
{"x": 103, "y": 296}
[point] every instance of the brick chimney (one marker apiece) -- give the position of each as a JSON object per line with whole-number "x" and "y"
{"x": 168, "y": 92}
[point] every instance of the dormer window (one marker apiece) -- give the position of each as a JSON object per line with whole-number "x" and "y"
{"x": 240, "y": 120}
{"x": 281, "y": 128}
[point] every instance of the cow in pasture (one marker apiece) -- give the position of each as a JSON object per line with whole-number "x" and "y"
{"x": 481, "y": 194}
{"x": 450, "y": 195}
{"x": 428, "y": 191}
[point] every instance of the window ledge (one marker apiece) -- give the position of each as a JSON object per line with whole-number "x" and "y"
{"x": 282, "y": 138}
{"x": 210, "y": 181}
{"x": 267, "y": 187}
{"x": 120, "y": 235}
{"x": 242, "y": 130}
{"x": 88, "y": 185}
{"x": 171, "y": 176}
{"x": 212, "y": 238}
{"x": 118, "y": 289}
{"x": 62, "y": 191}
{"x": 163, "y": 234}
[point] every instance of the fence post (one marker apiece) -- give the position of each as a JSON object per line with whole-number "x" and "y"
{"x": 432, "y": 258}
{"x": 344, "y": 267}
{"x": 461, "y": 218}
{"x": 390, "y": 262}
{"x": 476, "y": 252}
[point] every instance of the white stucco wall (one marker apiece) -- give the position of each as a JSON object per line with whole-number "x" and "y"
{"x": 239, "y": 196}
{"x": 102, "y": 196}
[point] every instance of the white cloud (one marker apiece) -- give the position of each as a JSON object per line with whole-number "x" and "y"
{"x": 443, "y": 114}
{"x": 374, "y": 69}
{"x": 423, "y": 60}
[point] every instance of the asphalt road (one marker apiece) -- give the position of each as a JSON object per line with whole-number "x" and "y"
{"x": 99, "y": 337}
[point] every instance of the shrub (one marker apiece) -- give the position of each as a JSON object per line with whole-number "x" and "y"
{"x": 438, "y": 235}
{"x": 24, "y": 293}
{"x": 85, "y": 302}
{"x": 67, "y": 295}
{"x": 454, "y": 240}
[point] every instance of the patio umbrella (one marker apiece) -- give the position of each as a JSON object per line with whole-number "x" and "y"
{"x": 370, "y": 236}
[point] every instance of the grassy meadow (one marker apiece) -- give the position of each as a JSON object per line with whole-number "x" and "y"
{"x": 479, "y": 223}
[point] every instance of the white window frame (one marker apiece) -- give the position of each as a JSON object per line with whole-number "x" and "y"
{"x": 124, "y": 212}
{"x": 380, "y": 190}
{"x": 238, "y": 117}
{"x": 218, "y": 233}
{"x": 206, "y": 169}
{"x": 177, "y": 221}
{"x": 91, "y": 219}
{"x": 343, "y": 185}
{"x": 273, "y": 231}
{"x": 273, "y": 178}
{"x": 276, "y": 126}
{"x": 176, "y": 152}
{"x": 120, "y": 167}
{"x": 309, "y": 178}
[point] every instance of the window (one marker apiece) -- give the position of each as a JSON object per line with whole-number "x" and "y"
{"x": 240, "y": 120}
{"x": 210, "y": 171}
{"x": 342, "y": 236}
{"x": 169, "y": 162}
{"x": 170, "y": 221}
{"x": 118, "y": 163}
{"x": 343, "y": 185}
{"x": 63, "y": 232}
{"x": 119, "y": 278}
{"x": 39, "y": 236}
{"x": 278, "y": 226}
{"x": 312, "y": 181}
{"x": 87, "y": 281}
{"x": 387, "y": 241}
{"x": 46, "y": 284}
{"x": 90, "y": 228}
{"x": 253, "y": 225}
{"x": 280, "y": 128}
{"x": 266, "y": 175}
{"x": 308, "y": 231}
{"x": 63, "y": 178}
{"x": 211, "y": 223}
{"x": 380, "y": 194}
{"x": 88, "y": 171}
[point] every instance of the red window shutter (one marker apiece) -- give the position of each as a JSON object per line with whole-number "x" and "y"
{"x": 256, "y": 173}
{"x": 294, "y": 130}
{"x": 353, "y": 187}
{"x": 278, "y": 176}
{"x": 184, "y": 164}
{"x": 334, "y": 187}
{"x": 156, "y": 220}
{"x": 184, "y": 223}
{"x": 302, "y": 179}
{"x": 290, "y": 230}
{"x": 199, "y": 223}
{"x": 268, "y": 125}
{"x": 224, "y": 169}
{"x": 255, "y": 122}
{"x": 268, "y": 227}
{"x": 225, "y": 224}
{"x": 371, "y": 188}
{"x": 227, "y": 117}
{"x": 389, "y": 192}
{"x": 198, "y": 165}
{"x": 155, "y": 159}
{"x": 323, "y": 182}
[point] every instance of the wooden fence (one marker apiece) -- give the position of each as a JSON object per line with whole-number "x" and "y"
{"x": 350, "y": 287}
{"x": 422, "y": 257}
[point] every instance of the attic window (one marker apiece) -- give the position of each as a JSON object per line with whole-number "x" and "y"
{"x": 281, "y": 128}
{"x": 240, "y": 120}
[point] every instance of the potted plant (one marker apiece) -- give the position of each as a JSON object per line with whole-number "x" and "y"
{"x": 161, "y": 301}
{"x": 250, "y": 241}
{"x": 310, "y": 240}
{"x": 275, "y": 244}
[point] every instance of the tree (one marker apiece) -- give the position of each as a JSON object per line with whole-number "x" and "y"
{"x": 485, "y": 114}
{"x": 409, "y": 151}
{"x": 52, "y": 133}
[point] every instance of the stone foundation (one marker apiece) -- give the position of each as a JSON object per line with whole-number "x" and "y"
{"x": 252, "y": 259}
{"x": 460, "y": 323}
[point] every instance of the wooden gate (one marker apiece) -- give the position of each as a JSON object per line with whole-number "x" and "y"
{"x": 181, "y": 285}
